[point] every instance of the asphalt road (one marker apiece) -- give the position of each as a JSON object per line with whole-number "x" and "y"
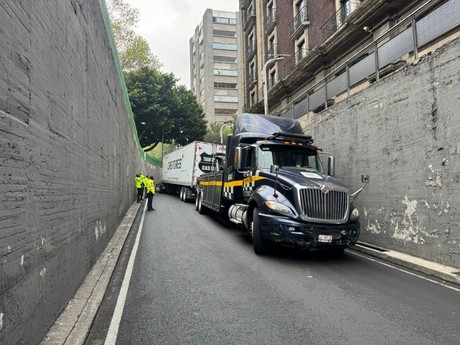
{"x": 197, "y": 281}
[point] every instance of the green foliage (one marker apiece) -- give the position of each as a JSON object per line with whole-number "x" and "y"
{"x": 163, "y": 110}
{"x": 133, "y": 50}
{"x": 213, "y": 133}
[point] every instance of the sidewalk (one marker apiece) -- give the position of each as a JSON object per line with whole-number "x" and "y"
{"x": 446, "y": 273}
{"x": 74, "y": 323}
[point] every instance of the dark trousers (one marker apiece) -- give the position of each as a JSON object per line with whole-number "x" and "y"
{"x": 140, "y": 192}
{"x": 149, "y": 202}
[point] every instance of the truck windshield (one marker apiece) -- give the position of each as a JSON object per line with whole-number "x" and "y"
{"x": 289, "y": 157}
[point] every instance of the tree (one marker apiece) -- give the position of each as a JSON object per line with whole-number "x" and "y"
{"x": 163, "y": 110}
{"x": 133, "y": 50}
{"x": 189, "y": 118}
{"x": 213, "y": 133}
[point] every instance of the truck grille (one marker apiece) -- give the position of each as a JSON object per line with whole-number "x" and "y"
{"x": 330, "y": 207}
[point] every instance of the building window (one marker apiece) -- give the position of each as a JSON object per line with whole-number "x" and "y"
{"x": 226, "y": 72}
{"x": 231, "y": 59}
{"x": 301, "y": 51}
{"x": 251, "y": 42}
{"x": 349, "y": 6}
{"x": 222, "y": 20}
{"x": 228, "y": 99}
{"x": 225, "y": 85}
{"x": 224, "y": 33}
{"x": 273, "y": 78}
{"x": 252, "y": 98}
{"x": 221, "y": 111}
{"x": 224, "y": 46}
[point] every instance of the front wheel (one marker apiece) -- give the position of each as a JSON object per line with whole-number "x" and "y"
{"x": 259, "y": 243}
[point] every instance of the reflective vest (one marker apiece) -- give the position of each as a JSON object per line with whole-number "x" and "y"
{"x": 150, "y": 186}
{"x": 139, "y": 181}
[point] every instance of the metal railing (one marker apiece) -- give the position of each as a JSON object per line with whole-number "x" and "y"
{"x": 251, "y": 79}
{"x": 291, "y": 64}
{"x": 249, "y": 19}
{"x": 338, "y": 19}
{"x": 300, "y": 20}
{"x": 270, "y": 20}
{"x": 251, "y": 50}
{"x": 368, "y": 63}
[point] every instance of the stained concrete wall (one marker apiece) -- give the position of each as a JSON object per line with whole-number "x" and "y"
{"x": 68, "y": 157}
{"x": 404, "y": 131}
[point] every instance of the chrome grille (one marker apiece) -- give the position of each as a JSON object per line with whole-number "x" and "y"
{"x": 331, "y": 207}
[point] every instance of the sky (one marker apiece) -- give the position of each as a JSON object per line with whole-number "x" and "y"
{"x": 168, "y": 25}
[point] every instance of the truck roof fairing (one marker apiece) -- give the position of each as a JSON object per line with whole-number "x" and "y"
{"x": 265, "y": 124}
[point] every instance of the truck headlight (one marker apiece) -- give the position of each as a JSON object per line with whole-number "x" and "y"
{"x": 354, "y": 215}
{"x": 278, "y": 207}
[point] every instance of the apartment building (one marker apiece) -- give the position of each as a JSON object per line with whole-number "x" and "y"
{"x": 214, "y": 65}
{"x": 313, "y": 53}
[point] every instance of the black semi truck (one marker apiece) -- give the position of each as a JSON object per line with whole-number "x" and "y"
{"x": 272, "y": 184}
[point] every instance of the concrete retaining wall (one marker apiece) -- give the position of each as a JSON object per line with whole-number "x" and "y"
{"x": 404, "y": 131}
{"x": 68, "y": 157}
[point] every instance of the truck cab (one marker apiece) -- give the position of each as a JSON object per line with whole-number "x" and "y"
{"x": 276, "y": 189}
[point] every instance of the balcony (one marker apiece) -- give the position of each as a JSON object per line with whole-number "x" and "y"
{"x": 300, "y": 22}
{"x": 290, "y": 65}
{"x": 251, "y": 50}
{"x": 338, "y": 19}
{"x": 270, "y": 20}
{"x": 249, "y": 20}
{"x": 251, "y": 80}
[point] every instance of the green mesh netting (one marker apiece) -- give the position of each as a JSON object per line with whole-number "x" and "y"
{"x": 108, "y": 27}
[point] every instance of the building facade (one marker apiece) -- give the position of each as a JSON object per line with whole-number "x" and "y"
{"x": 316, "y": 53}
{"x": 214, "y": 65}
{"x": 376, "y": 83}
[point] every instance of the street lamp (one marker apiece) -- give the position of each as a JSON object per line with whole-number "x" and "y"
{"x": 221, "y": 128}
{"x": 264, "y": 79}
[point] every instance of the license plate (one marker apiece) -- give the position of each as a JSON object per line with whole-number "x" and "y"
{"x": 325, "y": 238}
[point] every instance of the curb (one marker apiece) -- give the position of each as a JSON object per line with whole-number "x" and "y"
{"x": 447, "y": 273}
{"x": 75, "y": 321}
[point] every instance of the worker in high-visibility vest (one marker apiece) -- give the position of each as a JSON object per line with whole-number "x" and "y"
{"x": 145, "y": 181}
{"x": 140, "y": 186}
{"x": 150, "y": 193}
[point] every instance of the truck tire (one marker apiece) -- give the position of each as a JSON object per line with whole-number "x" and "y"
{"x": 259, "y": 243}
{"x": 201, "y": 209}
{"x": 196, "y": 200}
{"x": 181, "y": 194}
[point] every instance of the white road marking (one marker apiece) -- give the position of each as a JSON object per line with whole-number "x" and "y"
{"x": 404, "y": 271}
{"x": 112, "y": 334}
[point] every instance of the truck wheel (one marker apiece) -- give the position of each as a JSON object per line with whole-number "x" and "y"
{"x": 181, "y": 194}
{"x": 201, "y": 208}
{"x": 196, "y": 200}
{"x": 259, "y": 243}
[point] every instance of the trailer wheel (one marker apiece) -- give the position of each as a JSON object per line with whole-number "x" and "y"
{"x": 201, "y": 208}
{"x": 181, "y": 194}
{"x": 259, "y": 243}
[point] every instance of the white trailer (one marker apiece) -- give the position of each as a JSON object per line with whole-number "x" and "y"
{"x": 182, "y": 167}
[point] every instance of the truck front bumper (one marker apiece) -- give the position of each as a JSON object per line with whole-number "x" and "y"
{"x": 287, "y": 231}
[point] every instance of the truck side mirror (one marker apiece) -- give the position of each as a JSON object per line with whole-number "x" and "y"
{"x": 274, "y": 168}
{"x": 330, "y": 166}
{"x": 364, "y": 178}
{"x": 237, "y": 159}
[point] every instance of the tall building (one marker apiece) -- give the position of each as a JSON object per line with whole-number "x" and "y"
{"x": 214, "y": 65}
{"x": 316, "y": 53}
